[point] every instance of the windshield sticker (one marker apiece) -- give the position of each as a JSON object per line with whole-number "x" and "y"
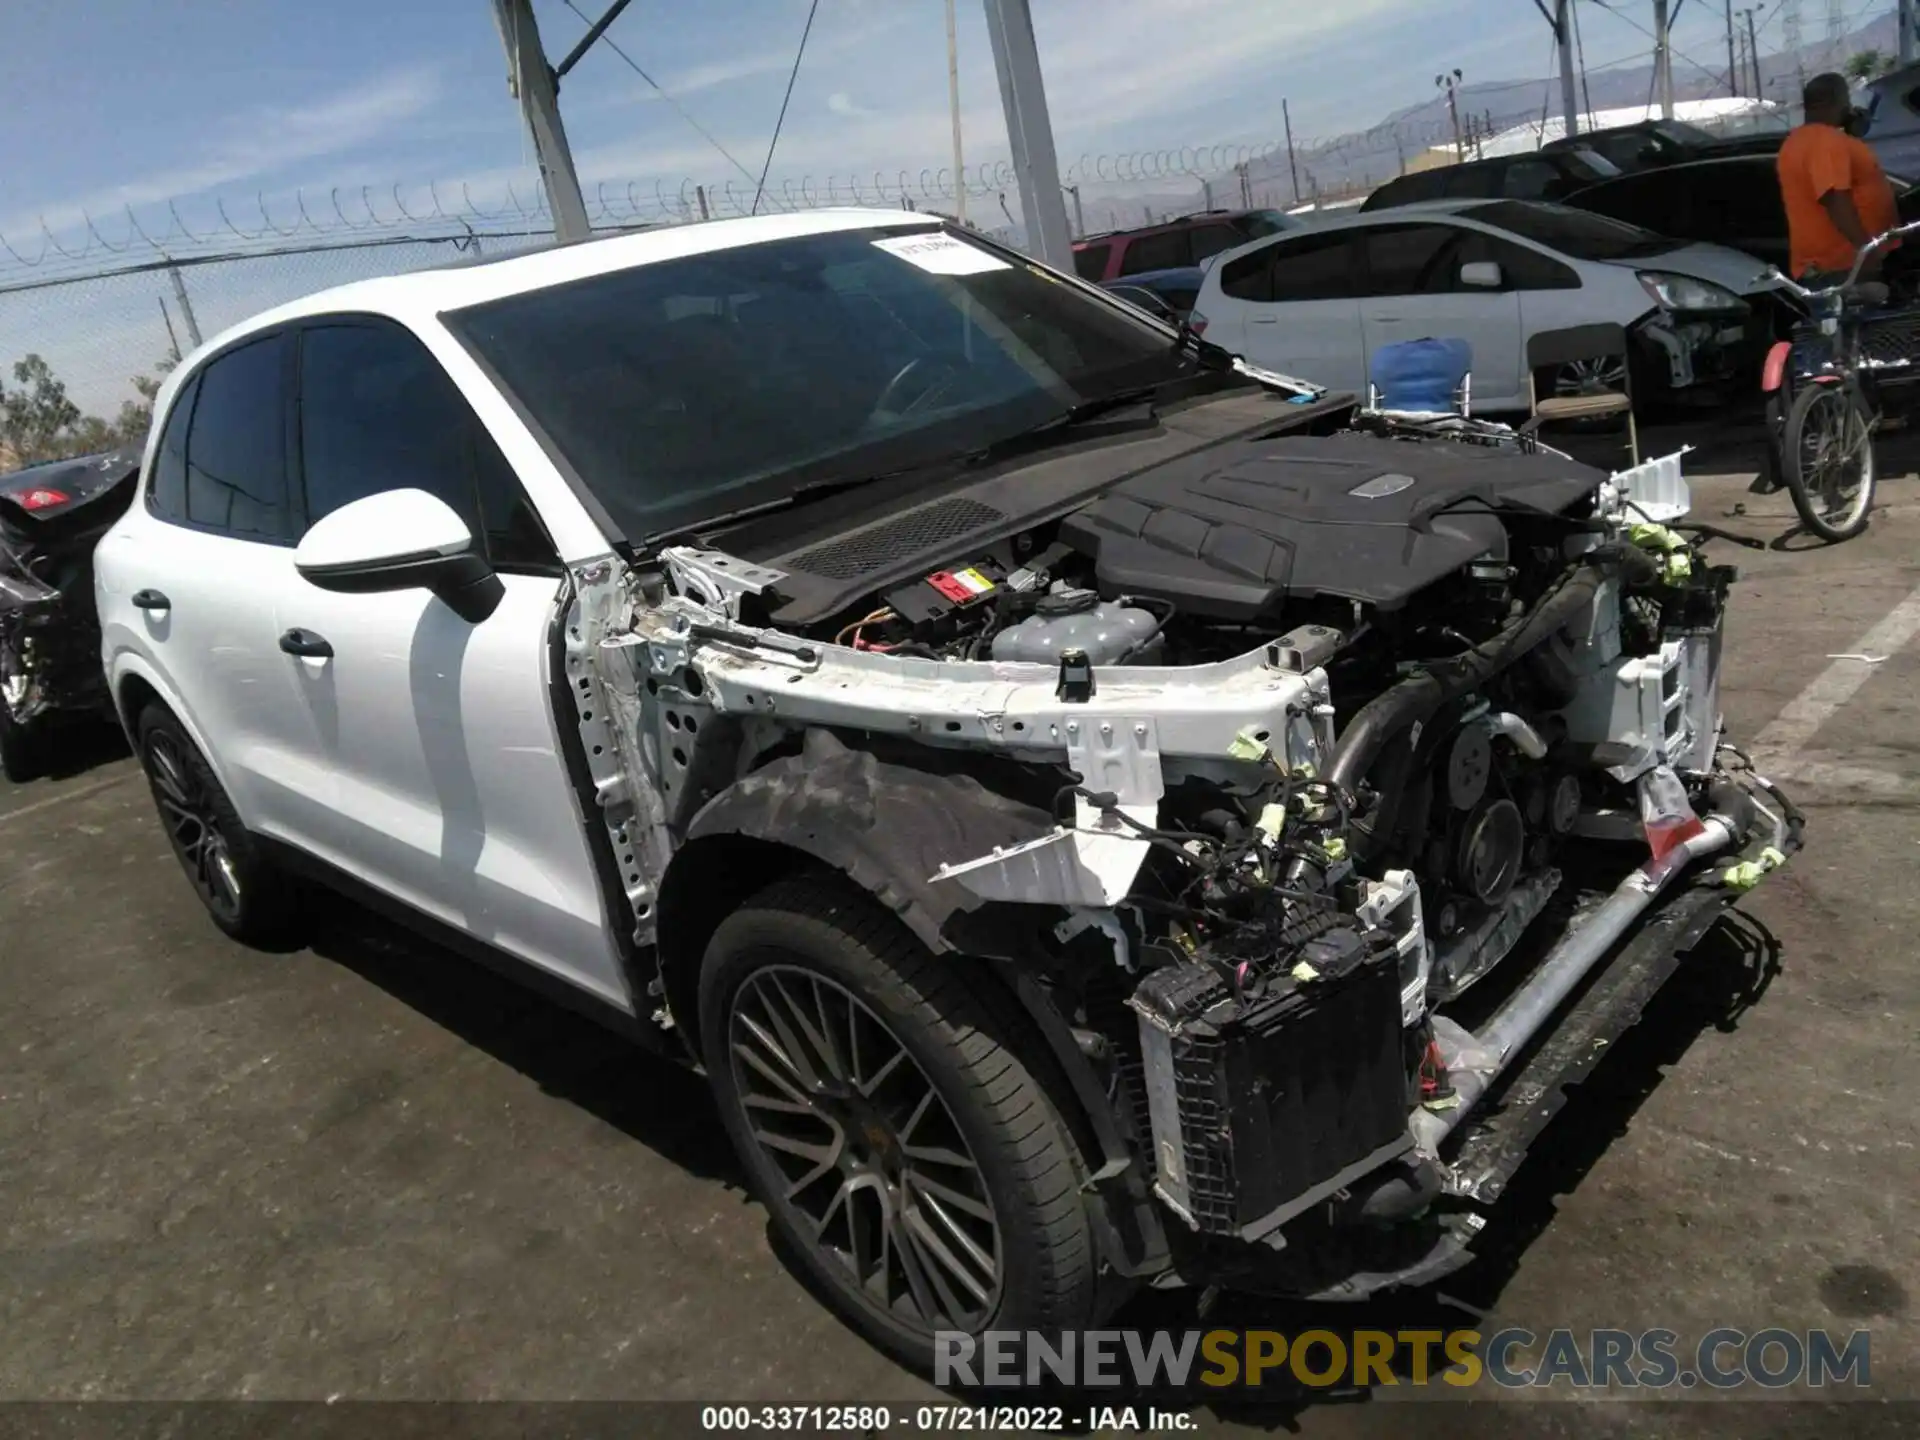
{"x": 941, "y": 254}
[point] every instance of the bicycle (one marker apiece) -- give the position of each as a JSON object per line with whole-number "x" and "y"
{"x": 1829, "y": 387}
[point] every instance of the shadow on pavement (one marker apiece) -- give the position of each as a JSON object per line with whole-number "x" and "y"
{"x": 79, "y": 743}
{"x": 664, "y": 1106}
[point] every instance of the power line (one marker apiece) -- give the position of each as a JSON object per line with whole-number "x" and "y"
{"x": 1671, "y": 47}
{"x": 634, "y": 65}
{"x": 792, "y": 76}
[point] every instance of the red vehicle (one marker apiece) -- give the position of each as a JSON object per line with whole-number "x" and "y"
{"x": 1174, "y": 245}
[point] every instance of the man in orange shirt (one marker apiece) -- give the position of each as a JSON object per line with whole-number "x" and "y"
{"x": 1835, "y": 195}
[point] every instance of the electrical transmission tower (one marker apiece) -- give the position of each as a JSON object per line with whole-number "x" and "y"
{"x": 1790, "y": 26}
{"x": 1836, "y": 33}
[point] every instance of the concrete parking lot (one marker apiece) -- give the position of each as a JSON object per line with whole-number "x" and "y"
{"x": 368, "y": 1170}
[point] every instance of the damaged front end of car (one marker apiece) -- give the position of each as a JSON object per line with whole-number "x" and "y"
{"x": 1241, "y": 877}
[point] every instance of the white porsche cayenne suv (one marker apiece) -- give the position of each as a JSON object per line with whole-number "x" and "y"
{"x": 1018, "y": 750}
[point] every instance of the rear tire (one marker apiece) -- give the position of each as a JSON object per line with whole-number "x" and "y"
{"x": 246, "y": 895}
{"x": 909, "y": 1159}
{"x": 1827, "y": 457}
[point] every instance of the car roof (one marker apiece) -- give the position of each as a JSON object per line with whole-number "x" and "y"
{"x": 421, "y": 294}
{"x": 1178, "y": 222}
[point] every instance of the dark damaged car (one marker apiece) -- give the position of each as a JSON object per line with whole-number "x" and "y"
{"x": 51, "y": 517}
{"x": 1101, "y": 814}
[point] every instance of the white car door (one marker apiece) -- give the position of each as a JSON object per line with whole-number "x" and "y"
{"x": 446, "y": 785}
{"x": 187, "y": 585}
{"x": 1421, "y": 283}
{"x": 1291, "y": 306}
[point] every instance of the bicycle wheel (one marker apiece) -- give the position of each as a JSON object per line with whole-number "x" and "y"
{"x": 1827, "y": 455}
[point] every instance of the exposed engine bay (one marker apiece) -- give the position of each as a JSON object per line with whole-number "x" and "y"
{"x": 1270, "y": 757}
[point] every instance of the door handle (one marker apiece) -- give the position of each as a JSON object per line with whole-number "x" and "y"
{"x": 151, "y": 600}
{"x": 1387, "y": 319}
{"x": 1263, "y": 319}
{"x": 306, "y": 644}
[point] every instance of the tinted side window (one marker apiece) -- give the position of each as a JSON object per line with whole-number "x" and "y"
{"x": 1529, "y": 180}
{"x": 1165, "y": 251}
{"x": 377, "y": 412}
{"x": 1212, "y": 239}
{"x": 1401, "y": 259}
{"x": 1520, "y": 268}
{"x": 167, "y": 497}
{"x": 1647, "y": 199}
{"x": 1321, "y": 268}
{"x": 516, "y": 539}
{"x": 236, "y": 460}
{"x": 1472, "y": 182}
{"x": 1091, "y": 263}
{"x": 1250, "y": 277}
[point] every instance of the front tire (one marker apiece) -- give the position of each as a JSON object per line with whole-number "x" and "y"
{"x": 1827, "y": 458}
{"x": 905, "y": 1154}
{"x": 234, "y": 879}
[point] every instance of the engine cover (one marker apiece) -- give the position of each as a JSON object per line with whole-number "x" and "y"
{"x": 1232, "y": 532}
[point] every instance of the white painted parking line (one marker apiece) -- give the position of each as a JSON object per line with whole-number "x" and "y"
{"x": 79, "y": 792}
{"x": 1780, "y": 745}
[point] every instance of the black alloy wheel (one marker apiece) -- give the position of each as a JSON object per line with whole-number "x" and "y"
{"x": 246, "y": 895}
{"x": 896, "y": 1116}
{"x": 868, "y": 1152}
{"x": 193, "y": 826}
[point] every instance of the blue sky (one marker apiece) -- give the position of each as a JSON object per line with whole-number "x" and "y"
{"x": 111, "y": 102}
{"x": 118, "y": 103}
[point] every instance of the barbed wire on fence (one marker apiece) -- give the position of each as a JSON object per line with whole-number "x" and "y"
{"x": 266, "y": 223}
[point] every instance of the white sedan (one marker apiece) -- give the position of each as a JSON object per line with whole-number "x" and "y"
{"x": 1320, "y": 303}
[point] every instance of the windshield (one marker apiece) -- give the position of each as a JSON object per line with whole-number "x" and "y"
{"x": 1691, "y": 136}
{"x": 1261, "y": 223}
{"x": 680, "y": 390}
{"x": 1577, "y": 233}
{"x": 1590, "y": 165}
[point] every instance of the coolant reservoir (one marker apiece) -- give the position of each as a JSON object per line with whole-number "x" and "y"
{"x": 1080, "y": 620}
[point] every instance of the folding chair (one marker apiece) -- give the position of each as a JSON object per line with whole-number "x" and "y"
{"x": 1599, "y": 346}
{"x": 1422, "y": 377}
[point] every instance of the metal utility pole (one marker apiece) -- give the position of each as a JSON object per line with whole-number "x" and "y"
{"x": 1451, "y": 84}
{"x": 1079, "y": 216}
{"x": 1293, "y": 165}
{"x": 1029, "y": 131}
{"x": 1905, "y": 21}
{"x": 1561, "y": 18}
{"x": 1663, "y": 57}
{"x": 531, "y": 80}
{"x": 1753, "y": 50}
{"x": 173, "y": 340}
{"x": 1733, "y": 65}
{"x": 1563, "y": 41}
{"x": 1790, "y": 27}
{"x": 953, "y": 103}
{"x": 186, "y": 305}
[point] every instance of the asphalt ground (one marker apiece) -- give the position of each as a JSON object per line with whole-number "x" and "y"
{"x": 370, "y": 1171}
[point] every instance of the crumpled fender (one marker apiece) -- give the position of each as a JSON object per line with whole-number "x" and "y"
{"x": 887, "y": 826}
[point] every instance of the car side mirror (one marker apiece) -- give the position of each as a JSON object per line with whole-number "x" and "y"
{"x": 1481, "y": 275}
{"x": 400, "y": 540}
